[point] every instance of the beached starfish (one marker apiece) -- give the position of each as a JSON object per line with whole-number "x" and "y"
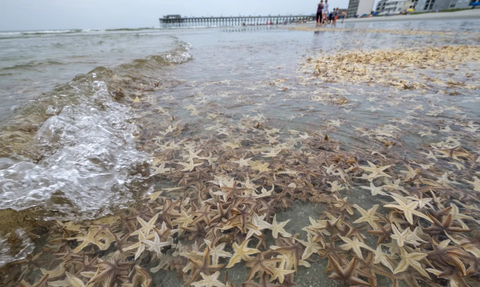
{"x": 209, "y": 281}
{"x": 354, "y": 245}
{"x": 411, "y": 259}
{"x": 311, "y": 246}
{"x": 277, "y": 228}
{"x": 280, "y": 272}
{"x": 146, "y": 226}
{"x": 109, "y": 272}
{"x": 156, "y": 245}
{"x": 383, "y": 258}
{"x": 217, "y": 251}
{"x": 408, "y": 210}
{"x": 346, "y": 276}
{"x": 438, "y": 227}
{"x": 375, "y": 171}
{"x": 368, "y": 216}
{"x": 475, "y": 183}
{"x": 243, "y": 162}
{"x": 41, "y": 283}
{"x": 261, "y": 265}
{"x": 139, "y": 246}
{"x": 190, "y": 166}
{"x": 411, "y": 173}
{"x": 241, "y": 252}
{"x": 374, "y": 189}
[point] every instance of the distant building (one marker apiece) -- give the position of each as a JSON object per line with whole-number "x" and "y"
{"x": 395, "y": 6}
{"x": 360, "y": 7}
{"x": 434, "y": 5}
{"x": 381, "y": 6}
{"x": 172, "y": 17}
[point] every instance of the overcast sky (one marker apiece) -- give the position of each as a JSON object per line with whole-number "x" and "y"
{"x": 81, "y": 14}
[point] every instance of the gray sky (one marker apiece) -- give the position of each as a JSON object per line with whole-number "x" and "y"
{"x": 70, "y": 14}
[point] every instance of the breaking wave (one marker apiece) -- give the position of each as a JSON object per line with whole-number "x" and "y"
{"x": 71, "y": 153}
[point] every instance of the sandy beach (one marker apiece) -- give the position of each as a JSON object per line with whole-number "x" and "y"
{"x": 466, "y": 14}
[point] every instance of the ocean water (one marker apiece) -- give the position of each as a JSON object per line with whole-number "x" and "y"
{"x": 79, "y": 109}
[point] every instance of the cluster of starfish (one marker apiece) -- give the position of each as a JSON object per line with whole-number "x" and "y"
{"x": 386, "y": 67}
{"x": 383, "y": 31}
{"x": 376, "y": 212}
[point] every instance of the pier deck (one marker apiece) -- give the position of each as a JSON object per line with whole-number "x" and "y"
{"x": 177, "y": 21}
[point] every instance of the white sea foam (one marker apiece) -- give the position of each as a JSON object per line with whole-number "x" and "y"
{"x": 90, "y": 158}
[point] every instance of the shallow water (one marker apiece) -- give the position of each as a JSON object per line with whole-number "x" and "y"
{"x": 85, "y": 147}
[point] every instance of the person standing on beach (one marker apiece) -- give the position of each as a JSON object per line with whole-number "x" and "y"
{"x": 334, "y": 16}
{"x": 319, "y": 12}
{"x": 325, "y": 12}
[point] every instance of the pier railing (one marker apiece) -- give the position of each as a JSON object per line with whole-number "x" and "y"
{"x": 232, "y": 21}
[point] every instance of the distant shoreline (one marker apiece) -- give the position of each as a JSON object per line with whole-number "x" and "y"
{"x": 465, "y": 14}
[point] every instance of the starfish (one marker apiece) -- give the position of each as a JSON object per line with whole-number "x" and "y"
{"x": 430, "y": 155}
{"x": 354, "y": 244}
{"x": 260, "y": 225}
{"x": 458, "y": 216}
{"x": 261, "y": 167}
{"x": 244, "y": 162}
{"x": 347, "y": 276}
{"x": 406, "y": 236}
{"x": 367, "y": 216}
{"x": 475, "y": 183}
{"x": 42, "y": 282}
{"x": 146, "y": 226}
{"x": 190, "y": 166}
{"x": 310, "y": 246}
{"x": 272, "y": 153}
{"x": 161, "y": 169}
{"x": 454, "y": 153}
{"x": 290, "y": 249}
{"x": 374, "y": 189}
{"x": 445, "y": 226}
{"x": 375, "y": 171}
{"x": 411, "y": 173}
{"x": 209, "y": 281}
{"x": 383, "y": 258}
{"x": 280, "y": 272}
{"x": 156, "y": 245}
{"x": 140, "y": 245}
{"x": 184, "y": 221}
{"x": 383, "y": 232}
{"x": 86, "y": 240}
{"x": 408, "y": 210}
{"x": 261, "y": 265}
{"x": 277, "y": 228}
{"x": 73, "y": 280}
{"x": 451, "y": 255}
{"x": 411, "y": 259}
{"x": 110, "y": 271}
{"x": 242, "y": 252}
{"x": 217, "y": 251}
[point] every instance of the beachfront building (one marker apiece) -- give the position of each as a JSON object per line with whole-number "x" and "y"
{"x": 381, "y": 6}
{"x": 397, "y": 6}
{"x": 434, "y": 5}
{"x": 360, "y": 7}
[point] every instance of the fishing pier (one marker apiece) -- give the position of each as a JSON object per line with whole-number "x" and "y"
{"x": 170, "y": 21}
